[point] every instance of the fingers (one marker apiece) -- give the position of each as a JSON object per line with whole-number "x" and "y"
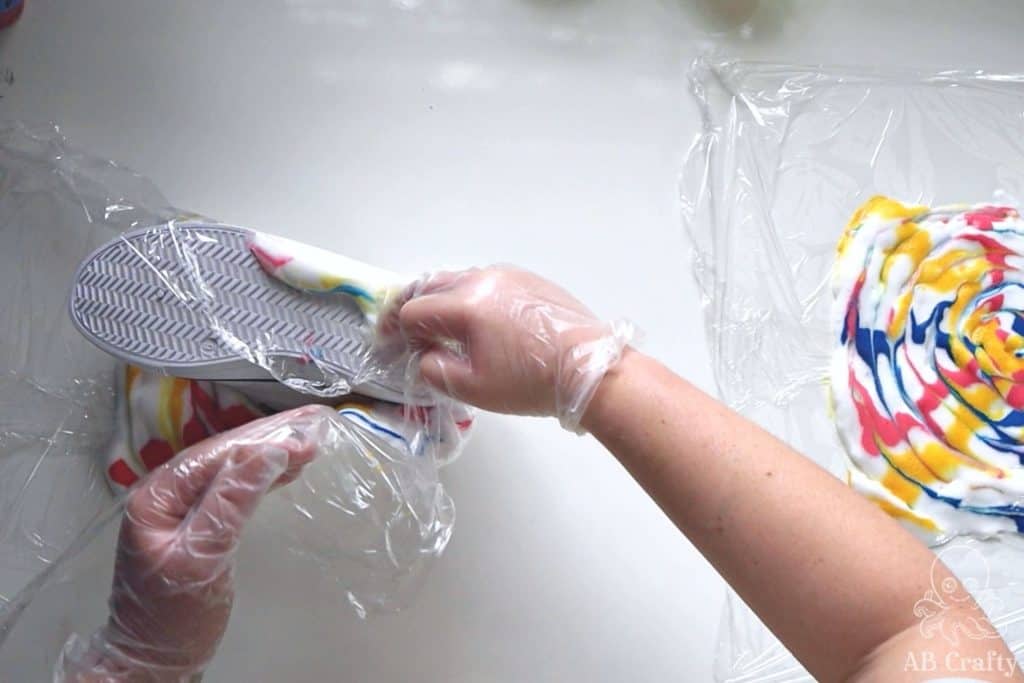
{"x": 435, "y": 317}
{"x": 213, "y": 529}
{"x": 166, "y": 497}
{"x": 297, "y": 460}
{"x": 447, "y": 373}
{"x": 389, "y": 322}
{"x": 436, "y": 282}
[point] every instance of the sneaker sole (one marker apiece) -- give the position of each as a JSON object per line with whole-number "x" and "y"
{"x": 190, "y": 300}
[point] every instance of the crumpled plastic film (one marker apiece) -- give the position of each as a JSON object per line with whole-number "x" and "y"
{"x": 56, "y": 389}
{"x": 786, "y": 155}
{"x": 367, "y": 518}
{"x": 209, "y": 300}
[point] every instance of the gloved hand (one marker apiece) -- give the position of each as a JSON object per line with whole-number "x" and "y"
{"x": 173, "y": 577}
{"x": 506, "y": 340}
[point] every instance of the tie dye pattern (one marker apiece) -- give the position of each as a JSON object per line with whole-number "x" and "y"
{"x": 927, "y": 379}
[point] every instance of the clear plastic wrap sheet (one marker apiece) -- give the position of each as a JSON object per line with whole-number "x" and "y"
{"x": 57, "y": 398}
{"x": 367, "y": 516}
{"x": 786, "y": 154}
{"x": 216, "y": 301}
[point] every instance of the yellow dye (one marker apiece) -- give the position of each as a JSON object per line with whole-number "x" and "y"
{"x": 884, "y": 208}
{"x": 898, "y": 485}
{"x": 900, "y": 513}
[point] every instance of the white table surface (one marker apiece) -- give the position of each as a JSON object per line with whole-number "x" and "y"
{"x": 419, "y": 133}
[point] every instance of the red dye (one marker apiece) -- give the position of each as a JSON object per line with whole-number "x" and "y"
{"x": 982, "y": 218}
{"x": 267, "y": 260}
{"x": 874, "y": 423}
{"x": 155, "y": 452}
{"x": 1015, "y": 397}
{"x": 120, "y": 473}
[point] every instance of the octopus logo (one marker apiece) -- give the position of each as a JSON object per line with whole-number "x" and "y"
{"x": 946, "y": 610}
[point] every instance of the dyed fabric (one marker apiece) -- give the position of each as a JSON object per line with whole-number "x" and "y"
{"x": 311, "y": 269}
{"x": 160, "y": 415}
{"x": 927, "y": 377}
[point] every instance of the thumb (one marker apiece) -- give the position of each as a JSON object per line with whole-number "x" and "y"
{"x": 448, "y": 373}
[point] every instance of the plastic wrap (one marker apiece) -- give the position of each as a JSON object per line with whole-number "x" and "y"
{"x": 786, "y": 155}
{"x": 212, "y": 301}
{"x": 173, "y": 584}
{"x": 510, "y": 341}
{"x": 368, "y": 515}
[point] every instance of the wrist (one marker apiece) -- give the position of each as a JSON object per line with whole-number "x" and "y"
{"x": 611, "y": 392}
{"x": 583, "y": 367}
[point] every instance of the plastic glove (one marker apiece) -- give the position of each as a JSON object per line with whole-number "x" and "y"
{"x": 506, "y": 340}
{"x": 173, "y": 577}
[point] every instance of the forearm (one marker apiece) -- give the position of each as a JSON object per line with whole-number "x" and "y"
{"x": 829, "y": 573}
{"x": 832, "y": 576}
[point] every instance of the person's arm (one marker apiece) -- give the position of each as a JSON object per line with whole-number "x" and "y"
{"x": 833, "y": 577}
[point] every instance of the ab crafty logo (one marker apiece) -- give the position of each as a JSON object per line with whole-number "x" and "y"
{"x": 946, "y": 611}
